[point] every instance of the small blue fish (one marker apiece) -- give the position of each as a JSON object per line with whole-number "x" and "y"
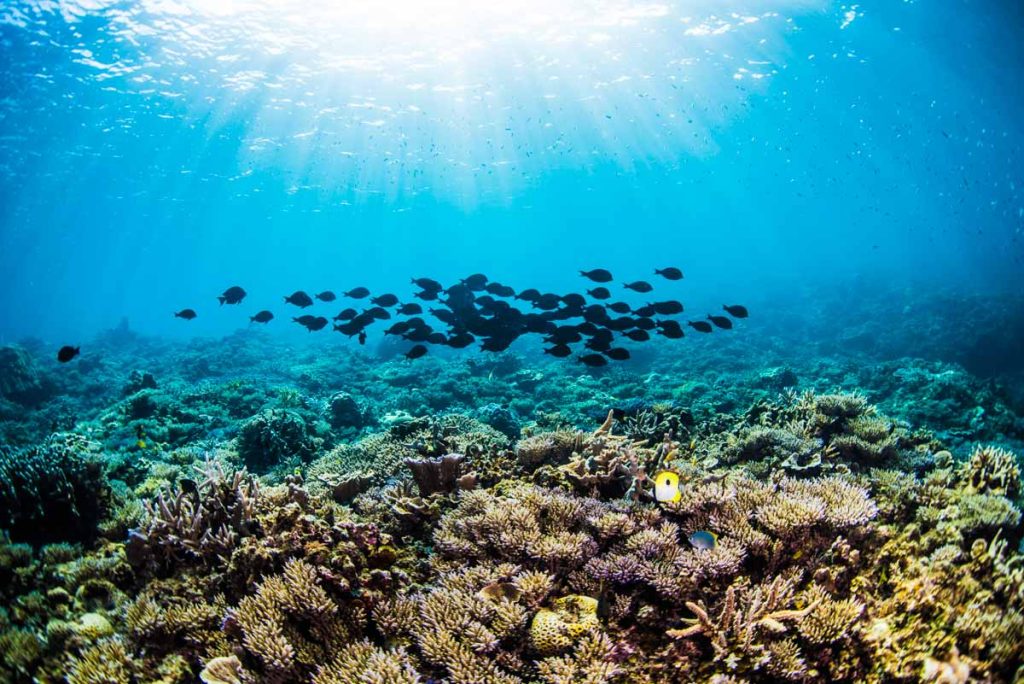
{"x": 702, "y": 539}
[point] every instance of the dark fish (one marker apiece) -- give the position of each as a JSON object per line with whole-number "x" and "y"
{"x": 306, "y": 320}
{"x": 377, "y": 313}
{"x": 232, "y": 295}
{"x": 357, "y": 293}
{"x": 436, "y": 338}
{"x": 547, "y": 302}
{"x": 262, "y": 317}
{"x": 460, "y": 340}
{"x": 318, "y": 323}
{"x": 574, "y": 300}
{"x": 617, "y": 354}
{"x": 346, "y": 315}
{"x": 529, "y": 294}
{"x": 299, "y": 299}
{"x": 399, "y": 328}
{"x": 670, "y": 273}
{"x": 599, "y": 293}
{"x": 416, "y": 352}
{"x": 598, "y": 275}
{"x": 362, "y": 337}
{"x": 351, "y": 328}
{"x": 410, "y": 309}
{"x": 427, "y": 295}
{"x": 670, "y": 329}
{"x": 445, "y": 316}
{"x": 385, "y": 300}
{"x": 720, "y": 321}
{"x": 326, "y": 296}
{"x": 645, "y": 311}
{"x": 496, "y": 344}
{"x": 700, "y": 326}
{"x": 645, "y": 323}
{"x": 427, "y": 284}
{"x": 638, "y": 335}
{"x": 595, "y": 313}
{"x": 620, "y": 307}
{"x": 593, "y": 360}
{"x": 499, "y": 290}
{"x": 475, "y": 282}
{"x": 737, "y": 310}
{"x": 187, "y": 314}
{"x": 639, "y": 286}
{"x": 559, "y": 351}
{"x": 669, "y": 308}
{"x": 66, "y": 353}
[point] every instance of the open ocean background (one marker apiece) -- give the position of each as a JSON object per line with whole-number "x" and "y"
{"x": 801, "y": 157}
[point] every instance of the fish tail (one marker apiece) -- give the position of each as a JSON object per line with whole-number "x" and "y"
{"x": 222, "y": 300}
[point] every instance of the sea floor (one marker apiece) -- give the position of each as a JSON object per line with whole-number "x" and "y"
{"x": 249, "y": 509}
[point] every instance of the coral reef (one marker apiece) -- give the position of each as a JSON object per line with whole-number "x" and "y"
{"x": 495, "y": 521}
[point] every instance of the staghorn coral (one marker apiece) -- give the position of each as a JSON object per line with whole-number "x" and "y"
{"x": 364, "y": 663}
{"x": 196, "y": 522}
{"x": 991, "y": 470}
{"x": 291, "y": 625}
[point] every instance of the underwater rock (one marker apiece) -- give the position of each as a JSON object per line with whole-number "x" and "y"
{"x": 779, "y": 378}
{"x": 20, "y": 380}
{"x": 138, "y": 380}
{"x": 345, "y": 412}
{"x": 501, "y": 418}
{"x": 273, "y": 437}
{"x": 54, "y": 492}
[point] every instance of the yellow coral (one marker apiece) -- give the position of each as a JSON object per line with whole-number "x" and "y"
{"x": 569, "y": 619}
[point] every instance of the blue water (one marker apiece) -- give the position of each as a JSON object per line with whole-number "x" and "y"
{"x": 154, "y": 153}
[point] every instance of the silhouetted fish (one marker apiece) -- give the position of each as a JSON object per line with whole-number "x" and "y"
{"x": 595, "y": 313}
{"x": 620, "y": 307}
{"x": 639, "y": 286}
{"x": 720, "y": 321}
{"x": 475, "y": 282}
{"x": 410, "y": 309}
{"x": 262, "y": 317}
{"x": 645, "y": 311}
{"x": 311, "y": 323}
{"x": 593, "y": 360}
{"x": 326, "y": 296}
{"x": 416, "y": 352}
{"x": 427, "y": 295}
{"x": 559, "y": 351}
{"x": 670, "y": 273}
{"x": 670, "y": 329}
{"x": 737, "y": 310}
{"x": 638, "y": 335}
{"x": 460, "y": 340}
{"x": 547, "y": 302}
{"x": 436, "y": 338}
{"x": 385, "y": 300}
{"x": 399, "y": 328}
{"x": 598, "y": 275}
{"x": 499, "y": 290}
{"x": 378, "y": 312}
{"x": 427, "y": 284}
{"x": 700, "y": 326}
{"x": 574, "y": 300}
{"x": 187, "y": 314}
{"x": 357, "y": 293}
{"x": 232, "y": 295}
{"x": 299, "y": 299}
{"x": 66, "y": 353}
{"x": 599, "y": 293}
{"x": 617, "y": 353}
{"x": 346, "y": 315}
{"x": 668, "y": 308}
{"x": 529, "y": 294}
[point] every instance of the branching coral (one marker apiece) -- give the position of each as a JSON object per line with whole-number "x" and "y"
{"x": 197, "y": 522}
